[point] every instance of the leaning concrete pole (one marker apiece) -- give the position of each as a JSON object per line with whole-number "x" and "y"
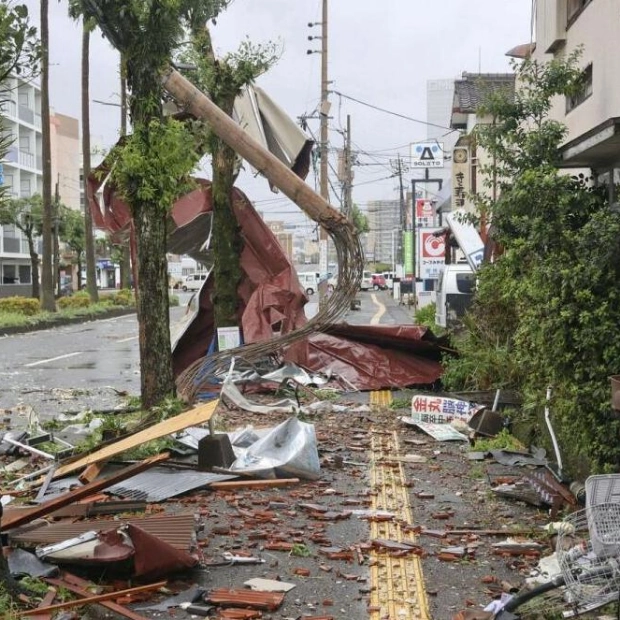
{"x": 197, "y": 103}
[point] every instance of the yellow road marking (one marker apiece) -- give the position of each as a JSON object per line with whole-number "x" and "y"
{"x": 381, "y": 398}
{"x": 397, "y": 583}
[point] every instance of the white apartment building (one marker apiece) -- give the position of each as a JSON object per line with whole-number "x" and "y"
{"x": 23, "y": 175}
{"x": 21, "y": 109}
{"x": 592, "y": 117}
{"x": 385, "y": 226}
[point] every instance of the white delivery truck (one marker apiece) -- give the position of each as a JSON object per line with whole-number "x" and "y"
{"x": 456, "y": 285}
{"x": 309, "y": 281}
{"x": 455, "y": 290}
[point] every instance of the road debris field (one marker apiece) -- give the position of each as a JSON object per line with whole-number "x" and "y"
{"x": 298, "y": 501}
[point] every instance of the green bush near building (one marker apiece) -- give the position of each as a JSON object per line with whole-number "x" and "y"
{"x": 26, "y": 306}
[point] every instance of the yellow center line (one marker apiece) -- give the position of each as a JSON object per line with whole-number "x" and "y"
{"x": 397, "y": 583}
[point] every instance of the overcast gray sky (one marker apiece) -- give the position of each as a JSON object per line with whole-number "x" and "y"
{"x": 380, "y": 52}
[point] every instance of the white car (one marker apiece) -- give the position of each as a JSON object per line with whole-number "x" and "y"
{"x": 194, "y": 281}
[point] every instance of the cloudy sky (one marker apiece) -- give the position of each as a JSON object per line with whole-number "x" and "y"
{"x": 380, "y": 53}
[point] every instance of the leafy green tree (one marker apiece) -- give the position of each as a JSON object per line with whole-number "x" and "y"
{"x": 545, "y": 309}
{"x": 26, "y": 214}
{"x": 152, "y": 168}
{"x": 20, "y": 50}
{"x": 360, "y": 220}
{"x": 73, "y": 234}
{"x": 19, "y": 55}
{"x": 224, "y": 79}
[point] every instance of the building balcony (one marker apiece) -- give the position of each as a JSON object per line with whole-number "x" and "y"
{"x": 26, "y": 114}
{"x": 26, "y": 159}
{"x": 9, "y": 108}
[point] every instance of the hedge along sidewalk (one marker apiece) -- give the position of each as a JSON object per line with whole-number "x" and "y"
{"x": 60, "y": 320}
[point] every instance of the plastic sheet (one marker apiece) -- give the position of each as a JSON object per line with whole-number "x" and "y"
{"x": 287, "y": 451}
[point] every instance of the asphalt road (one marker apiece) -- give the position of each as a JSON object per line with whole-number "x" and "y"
{"x": 93, "y": 365}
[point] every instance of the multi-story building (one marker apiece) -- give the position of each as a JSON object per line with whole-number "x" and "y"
{"x": 385, "y": 226}
{"x": 439, "y": 99}
{"x": 66, "y": 159}
{"x": 22, "y": 171}
{"x": 284, "y": 237}
{"x": 468, "y": 160}
{"x": 592, "y": 116}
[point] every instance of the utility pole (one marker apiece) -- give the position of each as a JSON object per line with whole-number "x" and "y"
{"x": 403, "y": 208}
{"x": 324, "y": 115}
{"x": 348, "y": 171}
{"x": 56, "y": 215}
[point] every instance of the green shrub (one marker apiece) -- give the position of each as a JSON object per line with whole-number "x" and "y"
{"x": 123, "y": 297}
{"x": 426, "y": 316}
{"x": 20, "y": 305}
{"x": 81, "y": 299}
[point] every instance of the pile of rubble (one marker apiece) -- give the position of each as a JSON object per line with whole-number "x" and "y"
{"x": 302, "y": 511}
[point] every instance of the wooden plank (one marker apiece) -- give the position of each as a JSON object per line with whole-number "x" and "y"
{"x": 48, "y": 599}
{"x": 70, "y": 497}
{"x": 255, "y": 484}
{"x": 197, "y": 415}
{"x": 92, "y": 599}
{"x": 115, "y": 607}
{"x": 91, "y": 472}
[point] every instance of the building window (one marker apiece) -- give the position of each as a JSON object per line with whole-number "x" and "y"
{"x": 586, "y": 90}
{"x": 25, "y": 274}
{"x": 575, "y": 7}
{"x": 10, "y": 274}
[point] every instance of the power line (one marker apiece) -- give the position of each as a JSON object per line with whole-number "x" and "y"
{"x": 408, "y": 118}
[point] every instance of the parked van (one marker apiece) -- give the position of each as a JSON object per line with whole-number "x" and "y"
{"x": 194, "y": 281}
{"x": 309, "y": 281}
{"x": 389, "y": 278}
{"x": 366, "y": 282}
{"x": 455, "y": 290}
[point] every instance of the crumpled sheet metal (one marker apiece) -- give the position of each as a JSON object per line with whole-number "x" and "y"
{"x": 270, "y": 296}
{"x": 151, "y": 556}
{"x": 390, "y": 357}
{"x": 271, "y": 300}
{"x": 287, "y": 451}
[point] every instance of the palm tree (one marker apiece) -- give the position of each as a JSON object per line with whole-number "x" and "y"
{"x": 91, "y": 275}
{"x": 47, "y": 280}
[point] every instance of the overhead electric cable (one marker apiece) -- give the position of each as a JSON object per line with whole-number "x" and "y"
{"x": 404, "y": 116}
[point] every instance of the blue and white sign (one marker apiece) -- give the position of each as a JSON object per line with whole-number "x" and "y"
{"x": 427, "y": 155}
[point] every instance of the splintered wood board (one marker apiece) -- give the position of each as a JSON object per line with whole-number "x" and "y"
{"x": 197, "y": 415}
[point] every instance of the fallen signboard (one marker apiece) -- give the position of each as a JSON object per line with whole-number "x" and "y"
{"x": 440, "y": 432}
{"x": 440, "y": 410}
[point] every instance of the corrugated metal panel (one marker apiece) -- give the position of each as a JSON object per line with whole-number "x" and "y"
{"x": 177, "y": 530}
{"x": 155, "y": 485}
{"x": 159, "y": 483}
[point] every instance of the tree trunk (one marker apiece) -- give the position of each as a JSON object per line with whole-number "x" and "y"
{"x": 157, "y": 380}
{"x": 227, "y": 241}
{"x": 47, "y": 281}
{"x": 34, "y": 265}
{"x": 89, "y": 244}
{"x": 126, "y": 260}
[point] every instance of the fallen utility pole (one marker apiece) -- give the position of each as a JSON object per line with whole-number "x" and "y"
{"x": 197, "y": 103}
